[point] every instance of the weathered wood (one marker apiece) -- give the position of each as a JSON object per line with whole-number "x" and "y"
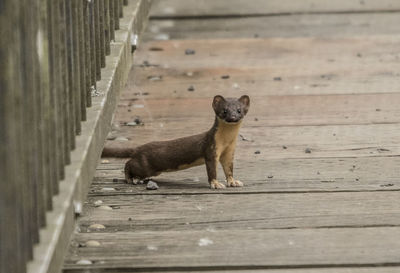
{"x": 296, "y": 110}
{"x": 68, "y": 137}
{"x": 71, "y": 62}
{"x": 196, "y": 8}
{"x": 116, "y": 13}
{"x": 77, "y": 67}
{"x": 243, "y": 248}
{"x": 96, "y": 7}
{"x": 93, "y": 44}
{"x": 242, "y": 211}
{"x": 112, "y": 24}
{"x": 102, "y": 33}
{"x": 301, "y": 25}
{"x": 46, "y": 184}
{"x": 121, "y": 8}
{"x": 261, "y": 174}
{"x": 82, "y": 59}
{"x": 12, "y": 259}
{"x": 107, "y": 37}
{"x": 87, "y": 43}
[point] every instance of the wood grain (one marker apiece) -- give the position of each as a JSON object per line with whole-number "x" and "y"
{"x": 198, "y": 8}
{"x": 239, "y": 248}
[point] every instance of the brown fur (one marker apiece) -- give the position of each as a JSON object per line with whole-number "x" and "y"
{"x": 216, "y": 145}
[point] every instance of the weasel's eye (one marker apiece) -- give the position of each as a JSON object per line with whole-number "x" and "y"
{"x": 239, "y": 111}
{"x": 225, "y": 111}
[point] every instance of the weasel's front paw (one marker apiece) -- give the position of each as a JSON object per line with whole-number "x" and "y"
{"x": 214, "y": 184}
{"x": 234, "y": 183}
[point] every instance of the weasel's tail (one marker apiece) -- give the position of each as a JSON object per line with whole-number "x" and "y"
{"x": 117, "y": 152}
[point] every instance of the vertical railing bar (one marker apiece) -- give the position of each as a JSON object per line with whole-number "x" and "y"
{"x": 76, "y": 68}
{"x": 71, "y": 73}
{"x": 64, "y": 81}
{"x": 107, "y": 26}
{"x": 82, "y": 59}
{"x": 93, "y": 45}
{"x": 112, "y": 25}
{"x": 56, "y": 156}
{"x": 116, "y": 13}
{"x": 47, "y": 164}
{"x": 97, "y": 38}
{"x": 102, "y": 34}
{"x": 88, "y": 65}
{"x": 121, "y": 10}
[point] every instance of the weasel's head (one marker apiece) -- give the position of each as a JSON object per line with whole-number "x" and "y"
{"x": 231, "y": 110}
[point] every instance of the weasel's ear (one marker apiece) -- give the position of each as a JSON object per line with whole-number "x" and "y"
{"x": 217, "y": 101}
{"x": 245, "y": 100}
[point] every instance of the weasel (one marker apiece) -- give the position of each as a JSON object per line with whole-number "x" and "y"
{"x": 216, "y": 145}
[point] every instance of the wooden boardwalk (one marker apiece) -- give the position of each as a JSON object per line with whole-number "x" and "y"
{"x": 318, "y": 152}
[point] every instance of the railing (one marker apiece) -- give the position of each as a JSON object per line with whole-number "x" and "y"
{"x": 51, "y": 55}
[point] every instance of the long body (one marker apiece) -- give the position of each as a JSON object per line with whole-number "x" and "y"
{"x": 216, "y": 145}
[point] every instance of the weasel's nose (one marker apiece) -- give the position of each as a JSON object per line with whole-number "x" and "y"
{"x": 231, "y": 118}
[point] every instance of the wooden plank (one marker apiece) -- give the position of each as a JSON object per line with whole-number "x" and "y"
{"x": 246, "y": 249}
{"x": 370, "y": 269}
{"x": 263, "y": 175}
{"x": 198, "y": 8}
{"x": 272, "y": 52}
{"x": 282, "y": 142}
{"x": 300, "y": 25}
{"x": 242, "y": 211}
{"x": 273, "y": 110}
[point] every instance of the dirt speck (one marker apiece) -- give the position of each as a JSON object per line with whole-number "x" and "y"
{"x": 191, "y": 88}
{"x": 225, "y": 77}
{"x": 307, "y": 150}
{"x": 257, "y": 152}
{"x": 277, "y": 79}
{"x": 190, "y": 51}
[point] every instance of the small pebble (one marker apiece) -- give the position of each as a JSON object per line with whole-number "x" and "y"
{"x": 235, "y": 85}
{"x": 284, "y": 147}
{"x": 98, "y": 203}
{"x": 107, "y": 189}
{"x": 105, "y": 207}
{"x": 97, "y": 226}
{"x": 270, "y": 176}
{"x": 307, "y": 151}
{"x": 121, "y": 139}
{"x": 151, "y": 185}
{"x": 189, "y": 74}
{"x": 277, "y": 79}
{"x": 191, "y": 88}
{"x": 205, "y": 242}
{"x": 92, "y": 243}
{"x": 190, "y": 51}
{"x": 129, "y": 219}
{"x": 84, "y": 262}
{"x": 154, "y": 78}
{"x": 257, "y": 152}
{"x": 105, "y": 161}
{"x": 225, "y": 77}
